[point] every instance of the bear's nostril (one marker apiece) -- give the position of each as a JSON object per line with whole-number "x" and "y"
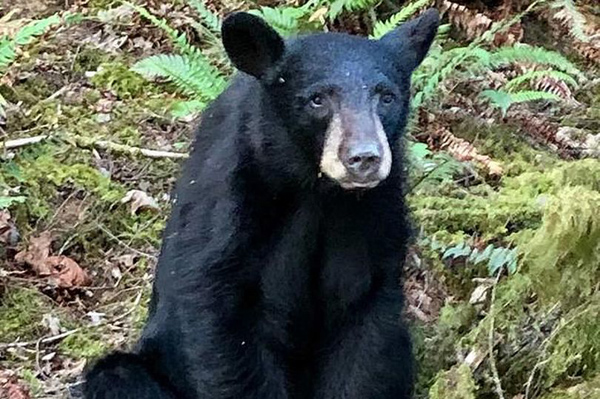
{"x": 363, "y": 163}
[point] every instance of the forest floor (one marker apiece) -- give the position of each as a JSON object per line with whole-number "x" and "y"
{"x": 79, "y": 245}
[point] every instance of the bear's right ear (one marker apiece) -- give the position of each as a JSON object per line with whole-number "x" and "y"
{"x": 251, "y": 44}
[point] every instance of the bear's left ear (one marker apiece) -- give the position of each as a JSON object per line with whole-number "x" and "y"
{"x": 413, "y": 38}
{"x": 251, "y": 44}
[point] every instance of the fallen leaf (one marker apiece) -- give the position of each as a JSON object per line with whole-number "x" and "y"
{"x": 139, "y": 200}
{"x": 62, "y": 270}
{"x": 37, "y": 253}
{"x": 66, "y": 273}
{"x": 11, "y": 387}
{"x": 479, "y": 294}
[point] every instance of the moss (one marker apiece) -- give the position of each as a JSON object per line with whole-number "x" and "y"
{"x": 118, "y": 77}
{"x": 456, "y": 383}
{"x": 33, "y": 383}
{"x": 491, "y": 214}
{"x": 504, "y": 143}
{"x": 86, "y": 344}
{"x": 21, "y": 312}
{"x": 435, "y": 346}
{"x": 89, "y": 59}
{"x": 563, "y": 257}
{"x": 586, "y": 390}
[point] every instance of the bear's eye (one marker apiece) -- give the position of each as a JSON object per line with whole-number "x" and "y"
{"x": 316, "y": 101}
{"x": 388, "y": 98}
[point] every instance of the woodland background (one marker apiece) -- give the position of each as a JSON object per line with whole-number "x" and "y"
{"x": 98, "y": 99}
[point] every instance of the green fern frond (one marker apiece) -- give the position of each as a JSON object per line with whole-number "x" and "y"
{"x": 29, "y": 32}
{"x": 285, "y": 20}
{"x": 7, "y": 53}
{"x": 517, "y": 82}
{"x": 533, "y": 95}
{"x": 197, "y": 79}
{"x": 349, "y": 5}
{"x": 531, "y": 54}
{"x": 495, "y": 257}
{"x": 183, "y": 109}
{"x": 575, "y": 19}
{"x": 209, "y": 18}
{"x": 503, "y": 100}
{"x": 383, "y": 27}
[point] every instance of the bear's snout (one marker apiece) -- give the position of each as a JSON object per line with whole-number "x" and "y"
{"x": 356, "y": 153}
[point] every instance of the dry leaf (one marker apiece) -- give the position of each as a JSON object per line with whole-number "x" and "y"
{"x": 139, "y": 200}
{"x": 63, "y": 271}
{"x": 11, "y": 387}
{"x": 36, "y": 254}
{"x": 66, "y": 272}
{"x": 479, "y": 294}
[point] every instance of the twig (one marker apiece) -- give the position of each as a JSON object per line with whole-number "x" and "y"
{"x": 16, "y": 143}
{"x": 126, "y": 149}
{"x": 547, "y": 342}
{"x": 46, "y": 340}
{"x": 118, "y": 240}
{"x": 101, "y": 144}
{"x": 496, "y": 376}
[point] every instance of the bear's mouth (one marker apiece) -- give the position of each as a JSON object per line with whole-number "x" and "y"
{"x": 359, "y": 185}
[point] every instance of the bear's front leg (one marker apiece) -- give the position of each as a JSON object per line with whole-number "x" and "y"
{"x": 372, "y": 357}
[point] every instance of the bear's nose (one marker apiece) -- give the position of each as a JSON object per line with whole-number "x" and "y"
{"x": 362, "y": 161}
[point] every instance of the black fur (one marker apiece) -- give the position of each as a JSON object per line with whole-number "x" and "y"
{"x": 273, "y": 282}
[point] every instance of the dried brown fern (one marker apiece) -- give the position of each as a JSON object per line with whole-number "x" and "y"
{"x": 474, "y": 23}
{"x": 570, "y": 19}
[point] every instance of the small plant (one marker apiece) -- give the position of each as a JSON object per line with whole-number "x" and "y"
{"x": 495, "y": 257}
{"x": 10, "y": 44}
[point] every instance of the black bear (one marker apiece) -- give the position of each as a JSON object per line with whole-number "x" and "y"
{"x": 280, "y": 266}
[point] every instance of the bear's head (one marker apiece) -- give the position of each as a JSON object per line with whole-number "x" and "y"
{"x": 343, "y": 99}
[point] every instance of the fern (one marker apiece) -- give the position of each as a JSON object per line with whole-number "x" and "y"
{"x": 496, "y": 258}
{"x": 383, "y": 27}
{"x": 196, "y": 79}
{"x": 182, "y": 109}
{"x": 428, "y": 168}
{"x": 531, "y": 54}
{"x": 503, "y": 100}
{"x": 211, "y": 20}
{"x": 286, "y": 20}
{"x": 29, "y": 32}
{"x": 6, "y": 202}
{"x": 349, "y": 5}
{"x": 535, "y": 75}
{"x": 573, "y": 17}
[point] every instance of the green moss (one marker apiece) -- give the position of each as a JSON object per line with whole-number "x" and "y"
{"x": 89, "y": 59}
{"x": 118, "y": 77}
{"x": 503, "y": 142}
{"x": 86, "y": 344}
{"x": 453, "y": 322}
{"x": 491, "y": 214}
{"x": 21, "y": 312}
{"x": 586, "y": 390}
{"x": 33, "y": 383}
{"x": 563, "y": 257}
{"x": 456, "y": 383}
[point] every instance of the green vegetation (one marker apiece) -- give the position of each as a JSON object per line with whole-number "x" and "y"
{"x": 504, "y": 181}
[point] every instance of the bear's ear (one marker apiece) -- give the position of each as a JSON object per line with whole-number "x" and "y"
{"x": 251, "y": 44}
{"x": 413, "y": 38}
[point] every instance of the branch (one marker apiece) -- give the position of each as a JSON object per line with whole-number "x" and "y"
{"x": 86, "y": 142}
{"x": 495, "y": 375}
